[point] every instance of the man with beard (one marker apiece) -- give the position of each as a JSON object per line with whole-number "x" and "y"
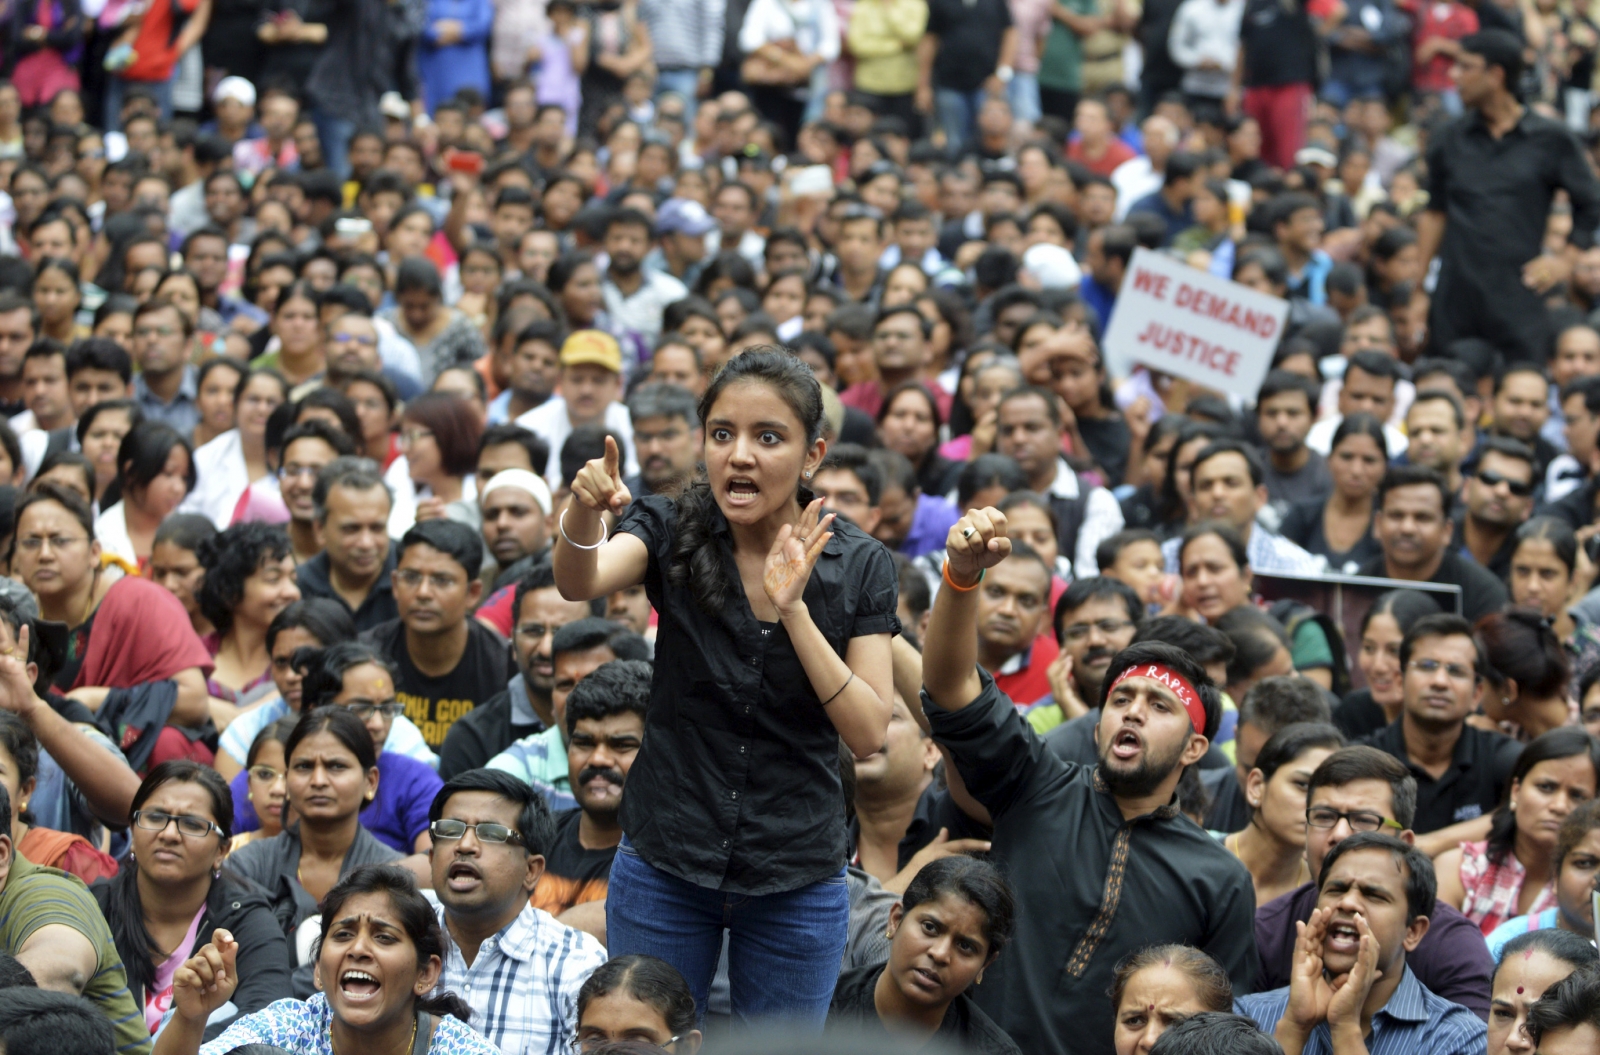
{"x": 524, "y": 708}
{"x": 666, "y": 434}
{"x": 519, "y": 969}
{"x": 605, "y": 726}
{"x": 1375, "y": 897}
{"x": 515, "y": 508}
{"x": 535, "y": 368}
{"x": 1411, "y": 522}
{"x": 1285, "y": 410}
{"x": 1104, "y": 863}
{"x": 635, "y": 296}
{"x": 577, "y": 650}
{"x": 307, "y": 449}
{"x": 1498, "y": 496}
{"x": 1462, "y": 771}
{"x": 1094, "y": 620}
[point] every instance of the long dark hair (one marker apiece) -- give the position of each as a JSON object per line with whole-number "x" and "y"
{"x": 696, "y": 563}
{"x": 125, "y": 912}
{"x": 142, "y": 456}
{"x": 415, "y": 915}
{"x": 323, "y": 669}
{"x": 1569, "y": 741}
{"x": 974, "y": 881}
{"x": 343, "y": 726}
{"x": 1173, "y": 510}
{"x": 652, "y": 982}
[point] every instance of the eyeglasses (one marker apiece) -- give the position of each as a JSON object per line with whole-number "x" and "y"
{"x": 1520, "y": 488}
{"x": 579, "y": 1045}
{"x": 486, "y": 831}
{"x": 363, "y": 708}
{"x": 190, "y": 825}
{"x": 266, "y": 774}
{"x": 57, "y": 542}
{"x": 1359, "y": 820}
{"x": 411, "y": 436}
{"x": 1454, "y": 671}
{"x": 411, "y": 578}
{"x": 350, "y": 338}
{"x": 1079, "y": 631}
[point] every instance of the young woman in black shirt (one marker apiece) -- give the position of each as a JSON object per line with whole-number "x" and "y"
{"x": 773, "y": 644}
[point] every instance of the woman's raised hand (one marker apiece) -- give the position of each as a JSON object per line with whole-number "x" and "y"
{"x": 976, "y": 541}
{"x": 599, "y": 485}
{"x": 794, "y": 553}
{"x": 16, "y": 688}
{"x": 207, "y": 979}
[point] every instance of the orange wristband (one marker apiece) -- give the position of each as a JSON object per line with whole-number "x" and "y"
{"x": 961, "y": 589}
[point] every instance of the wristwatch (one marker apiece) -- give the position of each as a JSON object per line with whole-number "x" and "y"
{"x": 1005, "y": 73}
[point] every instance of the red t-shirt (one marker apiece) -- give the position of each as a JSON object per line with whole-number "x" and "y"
{"x": 1443, "y": 18}
{"x": 1031, "y": 684}
{"x": 1116, "y": 153}
{"x": 155, "y": 55}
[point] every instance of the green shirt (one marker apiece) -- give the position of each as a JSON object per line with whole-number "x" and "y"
{"x": 1061, "y": 64}
{"x": 36, "y": 897}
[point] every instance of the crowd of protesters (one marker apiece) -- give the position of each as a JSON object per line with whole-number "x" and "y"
{"x": 426, "y": 419}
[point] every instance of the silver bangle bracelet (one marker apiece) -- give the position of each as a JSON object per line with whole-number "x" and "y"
{"x": 562, "y": 526}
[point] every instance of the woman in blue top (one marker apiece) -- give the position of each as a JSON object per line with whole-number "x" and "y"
{"x": 453, "y": 53}
{"x": 379, "y": 954}
{"x": 773, "y": 644}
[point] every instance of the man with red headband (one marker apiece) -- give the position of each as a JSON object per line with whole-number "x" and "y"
{"x": 1103, "y": 861}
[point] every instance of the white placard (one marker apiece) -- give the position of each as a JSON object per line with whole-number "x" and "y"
{"x": 1192, "y": 324}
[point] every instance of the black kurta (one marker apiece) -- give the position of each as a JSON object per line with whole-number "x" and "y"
{"x": 1090, "y": 886}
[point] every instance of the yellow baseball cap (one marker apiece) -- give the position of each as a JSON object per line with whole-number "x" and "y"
{"x": 592, "y": 346}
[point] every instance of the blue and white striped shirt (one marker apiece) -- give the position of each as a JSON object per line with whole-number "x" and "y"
{"x": 1413, "y": 1022}
{"x": 523, "y": 984}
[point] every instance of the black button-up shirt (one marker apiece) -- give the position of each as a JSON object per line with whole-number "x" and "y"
{"x": 736, "y": 786}
{"x": 1496, "y": 195}
{"x": 1091, "y": 887}
{"x": 1476, "y": 781}
{"x": 313, "y": 578}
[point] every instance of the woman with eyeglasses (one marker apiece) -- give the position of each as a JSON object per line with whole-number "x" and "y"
{"x": 1527, "y": 967}
{"x": 265, "y": 787}
{"x": 379, "y": 951}
{"x": 1272, "y": 846}
{"x": 1525, "y": 686}
{"x": 954, "y": 920}
{"x": 439, "y": 434}
{"x": 637, "y": 998}
{"x": 173, "y": 890}
{"x": 1512, "y": 873}
{"x": 19, "y": 776}
{"x": 356, "y": 676}
{"x": 155, "y": 473}
{"x": 1550, "y": 572}
{"x": 229, "y": 464}
{"x": 332, "y": 776}
{"x": 249, "y": 579}
{"x": 312, "y": 623}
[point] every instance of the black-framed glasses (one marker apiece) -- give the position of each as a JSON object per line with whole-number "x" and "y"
{"x": 1359, "y": 820}
{"x": 486, "y": 831}
{"x": 1079, "y": 631}
{"x": 188, "y": 824}
{"x": 363, "y": 709}
{"x": 1520, "y": 488}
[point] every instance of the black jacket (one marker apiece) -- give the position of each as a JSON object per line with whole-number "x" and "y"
{"x": 240, "y": 907}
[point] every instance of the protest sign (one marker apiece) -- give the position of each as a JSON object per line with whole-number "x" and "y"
{"x": 1192, "y": 324}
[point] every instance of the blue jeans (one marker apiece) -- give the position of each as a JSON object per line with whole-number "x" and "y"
{"x": 1023, "y": 94}
{"x": 958, "y": 116}
{"x": 685, "y": 80}
{"x": 116, "y": 86}
{"x": 334, "y": 133}
{"x": 784, "y": 949}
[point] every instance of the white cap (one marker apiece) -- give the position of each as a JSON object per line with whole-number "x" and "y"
{"x": 393, "y": 105}
{"x": 236, "y": 88}
{"x": 1052, "y": 265}
{"x": 522, "y": 480}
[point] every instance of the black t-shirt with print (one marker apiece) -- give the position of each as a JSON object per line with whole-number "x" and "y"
{"x": 433, "y": 704}
{"x": 572, "y": 874}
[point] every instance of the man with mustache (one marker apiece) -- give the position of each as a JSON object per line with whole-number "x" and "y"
{"x": 605, "y": 726}
{"x": 666, "y": 433}
{"x": 1012, "y": 607}
{"x": 1497, "y": 498}
{"x": 1104, "y": 861}
{"x": 519, "y": 969}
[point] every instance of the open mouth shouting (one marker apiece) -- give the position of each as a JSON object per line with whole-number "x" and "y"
{"x": 1343, "y": 938}
{"x": 463, "y": 876}
{"x": 1126, "y": 745}
{"x": 359, "y": 987}
{"x": 742, "y": 491}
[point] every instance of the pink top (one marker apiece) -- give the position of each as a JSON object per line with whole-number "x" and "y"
{"x": 1032, "y": 20}
{"x": 158, "y": 1000}
{"x": 1494, "y": 887}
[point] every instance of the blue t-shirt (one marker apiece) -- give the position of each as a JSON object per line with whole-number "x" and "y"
{"x": 395, "y": 817}
{"x": 1501, "y": 935}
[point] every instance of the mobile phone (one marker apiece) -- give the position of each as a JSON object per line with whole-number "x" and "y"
{"x": 352, "y": 226}
{"x": 466, "y": 161}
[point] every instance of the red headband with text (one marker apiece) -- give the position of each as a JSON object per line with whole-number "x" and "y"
{"x": 1179, "y": 685}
